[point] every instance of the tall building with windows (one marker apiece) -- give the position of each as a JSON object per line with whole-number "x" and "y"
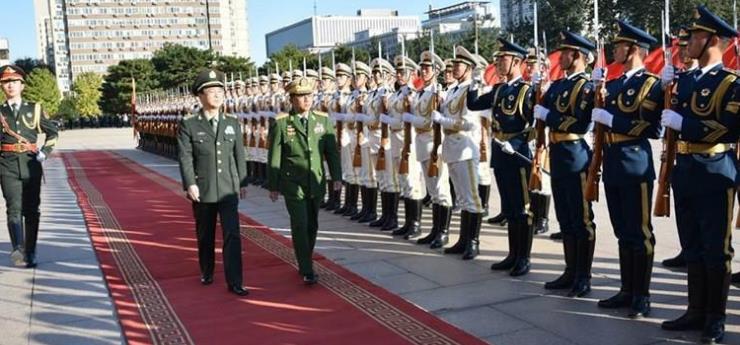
{"x": 4, "y": 51}
{"x": 77, "y": 36}
{"x": 514, "y": 12}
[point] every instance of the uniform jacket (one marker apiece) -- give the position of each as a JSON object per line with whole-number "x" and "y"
{"x": 215, "y": 162}
{"x": 296, "y": 155}
{"x": 30, "y": 122}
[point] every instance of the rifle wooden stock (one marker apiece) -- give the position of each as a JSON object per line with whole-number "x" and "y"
{"x": 535, "y": 178}
{"x": 485, "y": 126}
{"x": 662, "y": 206}
{"x": 403, "y": 168}
{"x": 433, "y": 170}
{"x": 263, "y": 134}
{"x": 594, "y": 170}
{"x": 357, "y": 157}
{"x": 380, "y": 163}
{"x": 253, "y": 133}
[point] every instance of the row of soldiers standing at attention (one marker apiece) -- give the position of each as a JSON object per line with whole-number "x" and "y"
{"x": 399, "y": 141}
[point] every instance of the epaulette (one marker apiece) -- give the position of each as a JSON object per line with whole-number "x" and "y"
{"x": 728, "y": 70}
{"x": 233, "y": 116}
{"x": 652, "y": 75}
{"x": 320, "y": 113}
{"x": 189, "y": 116}
{"x": 281, "y": 116}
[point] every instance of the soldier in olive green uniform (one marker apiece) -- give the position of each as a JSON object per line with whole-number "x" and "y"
{"x": 299, "y": 143}
{"x": 20, "y": 164}
{"x": 214, "y": 171}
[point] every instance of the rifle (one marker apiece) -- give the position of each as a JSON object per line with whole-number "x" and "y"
{"x": 535, "y": 178}
{"x": 357, "y": 157}
{"x": 594, "y": 169}
{"x": 433, "y": 170}
{"x": 668, "y": 158}
{"x": 337, "y": 106}
{"x": 403, "y": 167}
{"x": 380, "y": 163}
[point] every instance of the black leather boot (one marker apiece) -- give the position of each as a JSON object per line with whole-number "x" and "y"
{"x": 513, "y": 237}
{"x": 384, "y": 211}
{"x": 694, "y": 317}
{"x": 459, "y": 246}
{"x": 342, "y": 205}
{"x": 329, "y": 191}
{"x": 735, "y": 278}
{"x": 15, "y": 231}
{"x": 540, "y": 206}
{"x": 472, "y": 249}
{"x": 445, "y": 215}
{"x": 435, "y": 227}
{"x": 415, "y": 229}
{"x": 565, "y": 281}
{"x": 718, "y": 287}
{"x": 31, "y": 231}
{"x": 642, "y": 269}
{"x": 391, "y": 222}
{"x": 484, "y": 192}
{"x": 522, "y": 265}
{"x": 334, "y": 198}
{"x": 556, "y": 236}
{"x": 350, "y": 201}
{"x": 584, "y": 258}
{"x": 250, "y": 172}
{"x": 624, "y": 297}
{"x": 372, "y": 207}
{"x": 407, "y": 213}
{"x": 363, "y": 211}
{"x": 427, "y": 200}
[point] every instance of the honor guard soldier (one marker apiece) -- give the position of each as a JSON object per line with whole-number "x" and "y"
{"x": 371, "y": 141}
{"x": 300, "y": 141}
{"x": 566, "y": 110}
{"x": 249, "y": 131}
{"x": 403, "y": 172}
{"x": 512, "y": 102}
{"x": 20, "y": 161}
{"x": 461, "y": 152}
{"x": 327, "y": 91}
{"x": 427, "y": 149}
{"x": 353, "y": 127}
{"x": 631, "y": 115}
{"x": 704, "y": 113}
{"x": 213, "y": 169}
{"x": 338, "y": 107}
{"x": 540, "y": 199}
{"x": 690, "y": 64}
{"x": 264, "y": 102}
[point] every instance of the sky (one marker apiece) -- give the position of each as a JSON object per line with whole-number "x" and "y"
{"x": 17, "y": 18}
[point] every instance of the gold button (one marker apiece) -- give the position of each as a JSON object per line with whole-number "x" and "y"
{"x": 219, "y": 161}
{"x": 218, "y": 143}
{"x": 219, "y": 170}
{"x": 219, "y": 152}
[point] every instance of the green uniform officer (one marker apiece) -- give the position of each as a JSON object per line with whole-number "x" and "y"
{"x": 20, "y": 164}
{"x": 299, "y": 143}
{"x": 214, "y": 171}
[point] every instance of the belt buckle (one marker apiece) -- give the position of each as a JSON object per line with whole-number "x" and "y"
{"x": 18, "y": 147}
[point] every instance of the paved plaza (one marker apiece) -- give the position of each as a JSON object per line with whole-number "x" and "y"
{"x": 65, "y": 300}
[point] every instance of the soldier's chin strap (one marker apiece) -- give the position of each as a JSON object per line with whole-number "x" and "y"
{"x": 706, "y": 46}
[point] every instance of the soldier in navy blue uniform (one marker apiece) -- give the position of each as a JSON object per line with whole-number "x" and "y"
{"x": 631, "y": 115}
{"x": 566, "y": 110}
{"x": 511, "y": 103}
{"x": 704, "y": 113}
{"x": 689, "y": 65}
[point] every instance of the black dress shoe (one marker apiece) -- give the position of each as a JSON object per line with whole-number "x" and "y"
{"x": 499, "y": 219}
{"x": 581, "y": 287}
{"x": 238, "y": 290}
{"x": 678, "y": 261}
{"x": 310, "y": 279}
{"x": 556, "y": 236}
{"x": 206, "y": 280}
{"x": 620, "y": 300}
{"x": 688, "y": 321}
{"x": 714, "y": 332}
{"x": 31, "y": 260}
{"x": 640, "y": 307}
{"x": 735, "y": 278}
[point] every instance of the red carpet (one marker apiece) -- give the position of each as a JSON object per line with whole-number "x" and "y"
{"x": 143, "y": 232}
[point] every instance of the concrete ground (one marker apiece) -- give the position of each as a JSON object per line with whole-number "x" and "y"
{"x": 65, "y": 300}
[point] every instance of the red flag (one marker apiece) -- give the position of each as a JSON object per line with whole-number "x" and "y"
{"x": 730, "y": 56}
{"x": 133, "y": 104}
{"x": 655, "y": 61}
{"x": 490, "y": 75}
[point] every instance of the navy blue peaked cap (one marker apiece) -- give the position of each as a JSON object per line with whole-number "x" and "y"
{"x": 705, "y": 20}
{"x": 633, "y": 34}
{"x": 569, "y": 40}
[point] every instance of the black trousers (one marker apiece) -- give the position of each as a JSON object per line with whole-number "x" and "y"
{"x": 22, "y": 201}
{"x": 205, "y": 230}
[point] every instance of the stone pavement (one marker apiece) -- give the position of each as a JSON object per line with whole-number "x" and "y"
{"x": 66, "y": 294}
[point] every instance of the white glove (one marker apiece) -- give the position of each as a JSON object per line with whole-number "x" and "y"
{"x": 437, "y": 116}
{"x": 671, "y": 119}
{"x": 667, "y": 76}
{"x": 41, "y": 156}
{"x": 408, "y": 117}
{"x": 507, "y": 148}
{"x": 536, "y": 78}
{"x": 467, "y": 126}
{"x": 381, "y": 92}
{"x": 405, "y": 91}
{"x": 597, "y": 75}
{"x": 602, "y": 116}
{"x": 338, "y": 117}
{"x": 540, "y": 112}
{"x": 194, "y": 193}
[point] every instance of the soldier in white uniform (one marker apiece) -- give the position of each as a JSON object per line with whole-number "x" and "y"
{"x": 429, "y": 99}
{"x": 327, "y": 91}
{"x": 461, "y": 152}
{"x": 338, "y": 105}
{"x": 409, "y": 181}
{"x": 353, "y": 127}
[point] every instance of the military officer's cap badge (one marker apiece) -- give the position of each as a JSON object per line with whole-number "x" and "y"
{"x": 208, "y": 78}
{"x": 705, "y": 20}
{"x": 301, "y": 86}
{"x": 12, "y": 73}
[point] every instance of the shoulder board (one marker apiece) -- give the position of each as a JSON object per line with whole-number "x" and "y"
{"x": 281, "y": 116}
{"x": 653, "y": 75}
{"x": 525, "y": 82}
{"x": 731, "y": 71}
{"x": 189, "y": 116}
{"x": 233, "y": 116}
{"x": 320, "y": 113}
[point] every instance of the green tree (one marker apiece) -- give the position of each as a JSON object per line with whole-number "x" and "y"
{"x": 236, "y": 66}
{"x": 117, "y": 84}
{"x": 67, "y": 109}
{"x": 288, "y": 56}
{"x": 86, "y": 88}
{"x": 178, "y": 65}
{"x": 29, "y": 64}
{"x": 41, "y": 87}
